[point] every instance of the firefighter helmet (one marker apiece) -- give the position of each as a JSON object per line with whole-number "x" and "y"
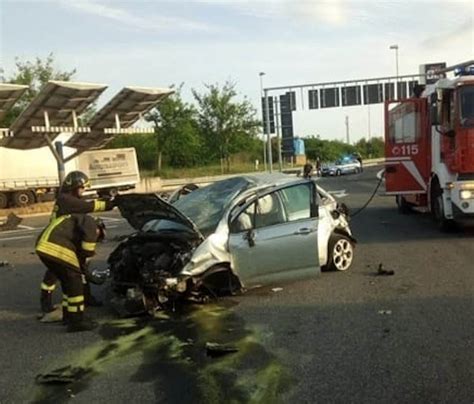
{"x": 75, "y": 180}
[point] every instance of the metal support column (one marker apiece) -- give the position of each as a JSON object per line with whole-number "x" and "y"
{"x": 269, "y": 139}
{"x": 61, "y": 167}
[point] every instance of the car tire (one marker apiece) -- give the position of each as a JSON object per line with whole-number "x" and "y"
{"x": 23, "y": 198}
{"x": 3, "y": 200}
{"x": 340, "y": 253}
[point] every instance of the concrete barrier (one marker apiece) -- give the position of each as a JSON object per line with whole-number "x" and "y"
{"x": 156, "y": 184}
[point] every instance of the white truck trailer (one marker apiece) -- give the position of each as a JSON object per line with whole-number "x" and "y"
{"x": 29, "y": 176}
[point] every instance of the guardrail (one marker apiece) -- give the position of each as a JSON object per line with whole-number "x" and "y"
{"x": 157, "y": 184}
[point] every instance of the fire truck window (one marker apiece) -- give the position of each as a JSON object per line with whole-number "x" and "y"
{"x": 467, "y": 106}
{"x": 403, "y": 123}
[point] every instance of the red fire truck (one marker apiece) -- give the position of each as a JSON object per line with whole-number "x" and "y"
{"x": 429, "y": 147}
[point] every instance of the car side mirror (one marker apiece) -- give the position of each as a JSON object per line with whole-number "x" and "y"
{"x": 250, "y": 237}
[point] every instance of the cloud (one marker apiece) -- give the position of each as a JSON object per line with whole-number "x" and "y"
{"x": 330, "y": 12}
{"x": 451, "y": 37}
{"x": 125, "y": 17}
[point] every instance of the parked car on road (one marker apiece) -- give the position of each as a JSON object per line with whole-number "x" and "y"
{"x": 341, "y": 167}
{"x": 232, "y": 234}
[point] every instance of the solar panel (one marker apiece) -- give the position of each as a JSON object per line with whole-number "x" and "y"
{"x": 52, "y": 111}
{"x": 118, "y": 115}
{"x": 9, "y": 94}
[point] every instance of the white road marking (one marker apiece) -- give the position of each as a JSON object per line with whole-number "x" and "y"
{"x": 22, "y": 226}
{"x": 340, "y": 193}
{"x": 111, "y": 219}
{"x": 19, "y": 231}
{"x": 16, "y": 238}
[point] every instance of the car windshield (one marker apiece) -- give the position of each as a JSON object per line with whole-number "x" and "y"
{"x": 205, "y": 206}
{"x": 467, "y": 106}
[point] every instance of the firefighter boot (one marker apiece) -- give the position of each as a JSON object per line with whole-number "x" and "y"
{"x": 78, "y": 323}
{"x": 89, "y": 299}
{"x": 46, "y": 301}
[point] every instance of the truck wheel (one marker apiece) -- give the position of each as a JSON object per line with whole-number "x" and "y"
{"x": 403, "y": 206}
{"x": 437, "y": 209}
{"x": 3, "y": 200}
{"x": 23, "y": 198}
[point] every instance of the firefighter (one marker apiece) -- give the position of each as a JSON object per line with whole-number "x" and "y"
{"x": 68, "y": 202}
{"x": 307, "y": 170}
{"x": 63, "y": 247}
{"x": 70, "y": 194}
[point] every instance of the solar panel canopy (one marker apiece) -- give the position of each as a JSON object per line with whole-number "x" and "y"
{"x": 59, "y": 99}
{"x": 128, "y": 105}
{"x": 9, "y": 94}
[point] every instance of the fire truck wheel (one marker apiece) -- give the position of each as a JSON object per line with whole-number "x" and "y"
{"x": 437, "y": 210}
{"x": 403, "y": 206}
{"x": 340, "y": 253}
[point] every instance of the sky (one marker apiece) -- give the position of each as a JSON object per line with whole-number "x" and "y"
{"x": 160, "y": 43}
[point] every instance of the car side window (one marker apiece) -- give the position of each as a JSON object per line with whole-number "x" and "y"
{"x": 297, "y": 201}
{"x": 269, "y": 211}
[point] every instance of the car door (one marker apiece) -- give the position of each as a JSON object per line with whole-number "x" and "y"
{"x": 280, "y": 239}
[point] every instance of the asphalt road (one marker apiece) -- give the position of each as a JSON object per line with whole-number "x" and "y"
{"x": 339, "y": 338}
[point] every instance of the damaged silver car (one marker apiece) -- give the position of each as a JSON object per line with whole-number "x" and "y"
{"x": 231, "y": 235}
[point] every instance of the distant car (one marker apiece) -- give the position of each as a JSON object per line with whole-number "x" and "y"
{"x": 341, "y": 167}
{"x": 232, "y": 234}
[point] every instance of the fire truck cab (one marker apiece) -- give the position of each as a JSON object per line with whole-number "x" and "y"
{"x": 429, "y": 148}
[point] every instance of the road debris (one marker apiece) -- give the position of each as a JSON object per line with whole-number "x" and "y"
{"x": 11, "y": 223}
{"x": 384, "y": 272}
{"x": 386, "y": 312}
{"x": 65, "y": 375}
{"x": 214, "y": 349}
{"x": 277, "y": 290}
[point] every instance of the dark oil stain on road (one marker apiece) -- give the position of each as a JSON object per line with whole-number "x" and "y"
{"x": 173, "y": 357}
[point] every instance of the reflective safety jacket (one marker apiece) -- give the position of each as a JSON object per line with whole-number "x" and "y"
{"x": 69, "y": 240}
{"x": 68, "y": 204}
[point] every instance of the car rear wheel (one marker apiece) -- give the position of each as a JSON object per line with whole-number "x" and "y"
{"x": 340, "y": 253}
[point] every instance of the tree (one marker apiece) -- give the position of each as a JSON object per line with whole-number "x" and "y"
{"x": 176, "y": 129}
{"x": 326, "y": 150}
{"x": 224, "y": 122}
{"x": 373, "y": 148}
{"x": 35, "y": 74}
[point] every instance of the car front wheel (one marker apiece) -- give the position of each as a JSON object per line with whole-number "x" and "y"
{"x": 341, "y": 253}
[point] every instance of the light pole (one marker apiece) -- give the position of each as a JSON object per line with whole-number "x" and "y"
{"x": 269, "y": 139}
{"x": 395, "y": 48}
{"x": 261, "y": 74}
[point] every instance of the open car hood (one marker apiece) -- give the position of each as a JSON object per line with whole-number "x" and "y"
{"x": 139, "y": 209}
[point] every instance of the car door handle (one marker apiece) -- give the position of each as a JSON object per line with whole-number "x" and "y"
{"x": 304, "y": 230}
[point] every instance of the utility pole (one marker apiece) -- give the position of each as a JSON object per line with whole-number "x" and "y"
{"x": 278, "y": 133}
{"x": 368, "y": 122}
{"x": 269, "y": 139}
{"x": 348, "y": 140}
{"x": 261, "y": 74}
{"x": 395, "y": 48}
